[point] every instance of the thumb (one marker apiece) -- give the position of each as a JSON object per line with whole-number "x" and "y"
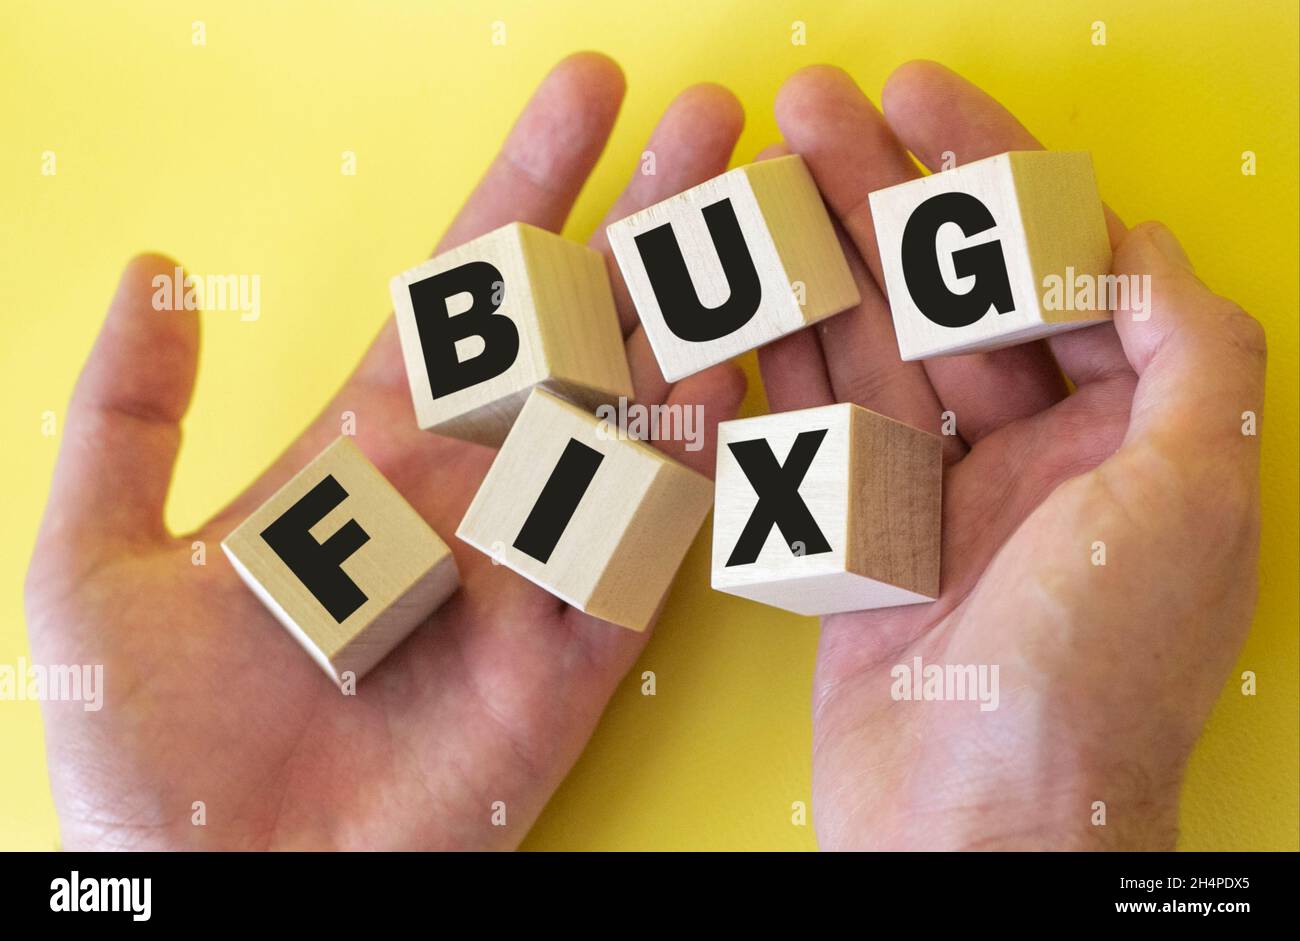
{"x": 1198, "y": 356}
{"x": 123, "y": 427}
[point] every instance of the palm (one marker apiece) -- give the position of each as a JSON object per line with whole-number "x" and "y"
{"x": 210, "y": 700}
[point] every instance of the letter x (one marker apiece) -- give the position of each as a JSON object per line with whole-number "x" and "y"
{"x": 779, "y": 503}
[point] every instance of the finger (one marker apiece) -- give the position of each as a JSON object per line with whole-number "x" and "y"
{"x": 549, "y": 152}
{"x": 536, "y": 176}
{"x": 648, "y": 382}
{"x": 864, "y": 156}
{"x": 123, "y": 427}
{"x": 702, "y": 400}
{"x": 933, "y": 110}
{"x": 692, "y": 143}
{"x": 850, "y": 152}
{"x": 1199, "y": 358}
{"x": 862, "y": 360}
{"x": 542, "y": 165}
{"x": 963, "y": 116}
{"x": 794, "y": 372}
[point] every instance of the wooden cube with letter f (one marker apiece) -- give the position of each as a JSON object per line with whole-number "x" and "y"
{"x": 827, "y": 509}
{"x": 598, "y": 520}
{"x": 343, "y": 561}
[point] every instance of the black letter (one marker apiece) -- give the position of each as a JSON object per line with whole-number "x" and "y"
{"x": 921, "y": 263}
{"x": 779, "y": 502}
{"x": 439, "y": 330}
{"x": 664, "y": 266}
{"x": 317, "y": 564}
{"x": 558, "y": 501}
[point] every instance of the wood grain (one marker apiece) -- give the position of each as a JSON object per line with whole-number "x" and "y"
{"x": 403, "y": 568}
{"x": 874, "y": 490}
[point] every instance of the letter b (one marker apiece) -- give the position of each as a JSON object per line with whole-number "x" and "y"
{"x": 440, "y": 330}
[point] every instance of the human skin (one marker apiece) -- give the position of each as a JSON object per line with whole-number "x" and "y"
{"x": 1107, "y": 672}
{"x": 209, "y": 699}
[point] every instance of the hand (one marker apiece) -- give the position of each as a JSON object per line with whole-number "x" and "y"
{"x": 209, "y": 699}
{"x": 1107, "y": 673}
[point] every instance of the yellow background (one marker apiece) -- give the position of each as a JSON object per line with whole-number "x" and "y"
{"x": 228, "y": 157}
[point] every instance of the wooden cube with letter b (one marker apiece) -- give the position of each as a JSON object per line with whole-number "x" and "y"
{"x": 732, "y": 264}
{"x": 827, "y": 509}
{"x": 343, "y": 561}
{"x": 482, "y": 324}
{"x": 598, "y": 520}
{"x": 1001, "y": 251}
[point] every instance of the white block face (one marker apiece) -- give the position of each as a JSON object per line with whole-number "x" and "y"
{"x": 601, "y": 523}
{"x": 965, "y": 251}
{"x": 823, "y": 489}
{"x": 492, "y": 274}
{"x": 738, "y": 261}
{"x": 343, "y": 561}
{"x": 858, "y": 513}
{"x": 512, "y": 309}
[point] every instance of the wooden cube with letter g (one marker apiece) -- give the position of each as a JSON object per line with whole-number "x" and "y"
{"x": 989, "y": 254}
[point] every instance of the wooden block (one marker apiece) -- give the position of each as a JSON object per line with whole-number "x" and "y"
{"x": 827, "y": 509}
{"x": 598, "y": 521}
{"x": 343, "y": 561}
{"x": 732, "y": 264}
{"x": 969, "y": 254}
{"x": 484, "y": 323}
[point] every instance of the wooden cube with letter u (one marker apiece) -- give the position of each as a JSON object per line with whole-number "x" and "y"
{"x": 732, "y": 264}
{"x": 827, "y": 509}
{"x": 483, "y": 323}
{"x": 599, "y": 521}
{"x": 993, "y": 253}
{"x": 343, "y": 561}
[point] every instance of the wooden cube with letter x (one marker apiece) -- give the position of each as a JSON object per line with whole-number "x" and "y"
{"x": 1001, "y": 251}
{"x": 598, "y": 520}
{"x": 732, "y": 264}
{"x": 484, "y": 323}
{"x": 827, "y": 509}
{"x": 343, "y": 561}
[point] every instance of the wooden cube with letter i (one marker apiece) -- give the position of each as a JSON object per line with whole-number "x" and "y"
{"x": 990, "y": 254}
{"x": 732, "y": 264}
{"x": 827, "y": 509}
{"x": 343, "y": 561}
{"x": 598, "y": 520}
{"x": 482, "y": 324}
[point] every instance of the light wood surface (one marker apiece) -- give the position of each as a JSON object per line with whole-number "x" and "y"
{"x": 616, "y": 555}
{"x": 801, "y": 270}
{"x": 873, "y": 489}
{"x": 402, "y": 568}
{"x": 1048, "y": 221}
{"x": 557, "y": 294}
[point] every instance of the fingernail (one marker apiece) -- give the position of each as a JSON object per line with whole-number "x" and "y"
{"x": 1170, "y": 247}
